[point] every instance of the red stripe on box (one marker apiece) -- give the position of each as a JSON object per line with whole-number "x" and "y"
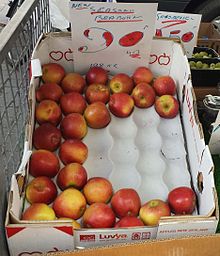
{"x": 13, "y": 231}
{"x": 67, "y": 230}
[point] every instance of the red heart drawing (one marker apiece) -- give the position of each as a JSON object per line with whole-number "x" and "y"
{"x": 56, "y": 55}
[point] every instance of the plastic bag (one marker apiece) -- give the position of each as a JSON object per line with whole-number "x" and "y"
{"x": 59, "y": 14}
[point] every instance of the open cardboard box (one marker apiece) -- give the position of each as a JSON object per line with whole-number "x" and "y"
{"x": 209, "y": 36}
{"x": 26, "y": 238}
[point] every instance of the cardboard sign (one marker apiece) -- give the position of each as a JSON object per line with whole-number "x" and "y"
{"x": 101, "y": 32}
{"x": 183, "y": 26}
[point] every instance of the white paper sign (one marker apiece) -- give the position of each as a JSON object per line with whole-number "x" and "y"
{"x": 183, "y": 26}
{"x": 115, "y": 36}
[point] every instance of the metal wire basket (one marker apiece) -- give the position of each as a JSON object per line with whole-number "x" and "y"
{"x": 17, "y": 40}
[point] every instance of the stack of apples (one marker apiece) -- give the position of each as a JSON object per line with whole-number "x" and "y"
{"x": 66, "y": 105}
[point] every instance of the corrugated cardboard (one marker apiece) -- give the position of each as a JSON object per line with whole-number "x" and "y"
{"x": 194, "y": 246}
{"x": 209, "y": 36}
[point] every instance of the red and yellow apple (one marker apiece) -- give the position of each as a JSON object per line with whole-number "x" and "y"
{"x": 73, "y": 82}
{"x": 49, "y": 91}
{"x": 98, "y": 190}
{"x": 121, "y": 82}
{"x": 44, "y": 163}
{"x": 142, "y": 74}
{"x": 167, "y": 106}
{"x": 73, "y": 126}
{"x": 164, "y": 85}
{"x": 73, "y": 151}
{"x": 126, "y": 202}
{"x": 52, "y": 73}
{"x": 47, "y": 136}
{"x": 182, "y": 200}
{"x": 75, "y": 224}
{"x": 97, "y": 92}
{"x": 129, "y": 221}
{"x": 151, "y": 212}
{"x": 97, "y": 115}
{"x": 72, "y": 102}
{"x": 41, "y": 190}
{"x": 38, "y": 211}
{"x": 70, "y": 203}
{"x": 72, "y": 175}
{"x": 143, "y": 95}
{"x": 48, "y": 111}
{"x": 98, "y": 215}
{"x": 121, "y": 104}
{"x": 97, "y": 75}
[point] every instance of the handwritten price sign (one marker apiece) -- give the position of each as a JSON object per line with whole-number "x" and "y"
{"x": 112, "y": 35}
{"x": 179, "y": 25}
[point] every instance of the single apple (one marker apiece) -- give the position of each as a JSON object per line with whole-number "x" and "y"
{"x": 121, "y": 104}
{"x": 121, "y": 82}
{"x": 126, "y": 202}
{"x": 75, "y": 224}
{"x": 41, "y": 190}
{"x": 72, "y": 175}
{"x": 48, "y": 111}
{"x": 97, "y": 75}
{"x": 142, "y": 74}
{"x": 73, "y": 126}
{"x": 39, "y": 211}
{"x": 182, "y": 200}
{"x": 72, "y": 102}
{"x": 97, "y": 92}
{"x": 98, "y": 190}
{"x": 129, "y": 221}
{"x": 44, "y": 163}
{"x": 151, "y": 212}
{"x": 49, "y": 91}
{"x": 47, "y": 136}
{"x": 143, "y": 95}
{"x": 52, "y": 73}
{"x": 98, "y": 215}
{"x": 97, "y": 115}
{"x": 167, "y": 106}
{"x": 164, "y": 85}
{"x": 70, "y": 203}
{"x": 73, "y": 82}
{"x": 73, "y": 151}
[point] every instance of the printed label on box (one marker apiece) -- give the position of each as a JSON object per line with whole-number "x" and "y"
{"x": 92, "y": 238}
{"x": 103, "y": 31}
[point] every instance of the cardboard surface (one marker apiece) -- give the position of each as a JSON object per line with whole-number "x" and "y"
{"x": 194, "y": 246}
{"x": 54, "y": 45}
{"x": 209, "y": 37}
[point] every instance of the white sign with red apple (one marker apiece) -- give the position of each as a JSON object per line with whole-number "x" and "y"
{"x": 183, "y": 26}
{"x": 103, "y": 31}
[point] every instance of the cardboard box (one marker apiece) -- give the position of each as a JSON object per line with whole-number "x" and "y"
{"x": 196, "y": 246}
{"x": 40, "y": 237}
{"x": 209, "y": 36}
